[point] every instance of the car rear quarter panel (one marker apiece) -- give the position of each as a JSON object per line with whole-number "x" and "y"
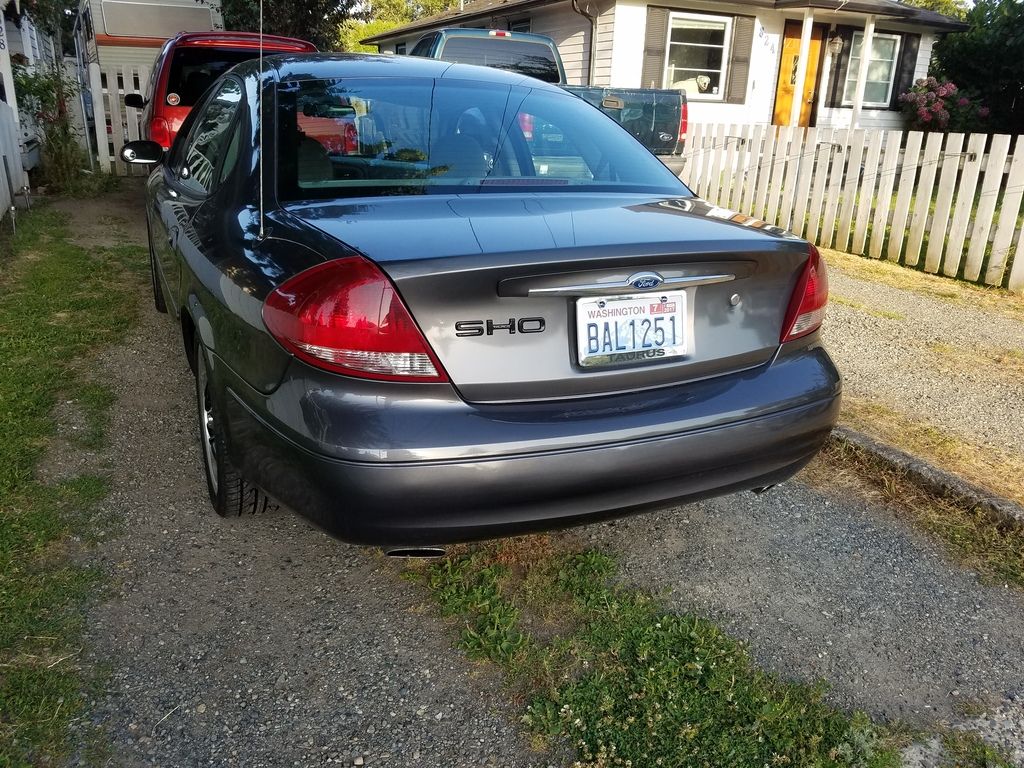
{"x": 227, "y": 281}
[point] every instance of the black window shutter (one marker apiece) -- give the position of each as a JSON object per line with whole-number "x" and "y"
{"x": 654, "y": 47}
{"x": 842, "y": 64}
{"x": 739, "y": 60}
{"x": 909, "y": 46}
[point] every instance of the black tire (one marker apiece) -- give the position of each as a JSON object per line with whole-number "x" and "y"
{"x": 230, "y": 494}
{"x": 158, "y": 297}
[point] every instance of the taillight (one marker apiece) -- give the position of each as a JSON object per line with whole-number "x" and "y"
{"x": 160, "y": 132}
{"x": 350, "y": 140}
{"x": 684, "y": 121}
{"x": 345, "y": 316}
{"x": 807, "y": 305}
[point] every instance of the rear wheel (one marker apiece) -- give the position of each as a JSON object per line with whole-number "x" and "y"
{"x": 158, "y": 296}
{"x": 230, "y": 493}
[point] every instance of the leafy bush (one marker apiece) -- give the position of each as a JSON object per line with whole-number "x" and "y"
{"x": 938, "y": 105}
{"x": 45, "y": 94}
{"x": 988, "y": 60}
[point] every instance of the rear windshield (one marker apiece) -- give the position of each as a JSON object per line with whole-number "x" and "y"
{"x": 372, "y": 137}
{"x": 522, "y": 56}
{"x": 193, "y": 70}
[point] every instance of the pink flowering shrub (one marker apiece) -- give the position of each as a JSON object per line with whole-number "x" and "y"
{"x": 938, "y": 105}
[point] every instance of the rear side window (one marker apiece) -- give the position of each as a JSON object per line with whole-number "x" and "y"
{"x": 522, "y": 56}
{"x": 193, "y": 70}
{"x": 422, "y": 48}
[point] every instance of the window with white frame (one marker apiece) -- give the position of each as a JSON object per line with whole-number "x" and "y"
{"x": 520, "y": 25}
{"x": 697, "y": 54}
{"x": 878, "y": 87}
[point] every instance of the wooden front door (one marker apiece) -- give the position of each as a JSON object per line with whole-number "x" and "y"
{"x": 787, "y": 74}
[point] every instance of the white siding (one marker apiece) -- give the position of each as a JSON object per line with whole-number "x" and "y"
{"x": 627, "y": 60}
{"x": 570, "y": 31}
{"x": 409, "y": 43}
{"x": 869, "y": 118}
{"x": 924, "y": 55}
{"x": 605, "y": 40}
{"x": 10, "y": 150}
{"x": 120, "y": 56}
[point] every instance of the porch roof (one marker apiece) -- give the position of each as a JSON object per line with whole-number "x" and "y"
{"x": 891, "y": 9}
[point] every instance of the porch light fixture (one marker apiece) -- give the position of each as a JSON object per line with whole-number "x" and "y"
{"x": 835, "y": 43}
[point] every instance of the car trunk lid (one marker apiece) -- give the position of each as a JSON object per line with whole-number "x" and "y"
{"x": 502, "y": 285}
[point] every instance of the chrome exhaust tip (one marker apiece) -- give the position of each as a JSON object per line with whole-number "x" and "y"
{"x": 415, "y": 552}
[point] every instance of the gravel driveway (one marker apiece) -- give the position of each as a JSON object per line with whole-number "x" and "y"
{"x": 911, "y": 363}
{"x": 262, "y": 642}
{"x": 822, "y": 585}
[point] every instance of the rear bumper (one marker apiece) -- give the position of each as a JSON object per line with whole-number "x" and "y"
{"x": 418, "y": 502}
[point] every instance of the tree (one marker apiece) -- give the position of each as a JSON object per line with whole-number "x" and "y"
{"x": 381, "y": 15}
{"x": 354, "y": 30}
{"x": 318, "y": 21}
{"x": 956, "y": 8}
{"x": 987, "y": 60}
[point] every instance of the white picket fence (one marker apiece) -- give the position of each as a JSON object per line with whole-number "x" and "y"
{"x": 12, "y": 175}
{"x": 113, "y": 122}
{"x": 953, "y": 200}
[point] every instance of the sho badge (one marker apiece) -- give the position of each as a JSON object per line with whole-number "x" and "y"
{"x": 491, "y": 327}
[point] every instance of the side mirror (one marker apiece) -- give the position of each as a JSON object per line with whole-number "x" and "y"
{"x": 134, "y": 100}
{"x": 142, "y": 153}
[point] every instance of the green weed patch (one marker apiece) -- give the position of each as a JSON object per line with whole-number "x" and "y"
{"x": 58, "y": 303}
{"x": 628, "y": 684}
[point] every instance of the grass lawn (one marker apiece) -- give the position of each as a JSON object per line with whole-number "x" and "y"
{"x": 933, "y": 286}
{"x": 58, "y": 304}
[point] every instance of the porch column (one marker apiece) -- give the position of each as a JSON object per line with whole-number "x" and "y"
{"x": 801, "y": 67}
{"x": 862, "y": 70}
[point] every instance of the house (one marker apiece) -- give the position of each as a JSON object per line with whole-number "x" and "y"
{"x": 784, "y": 62}
{"x": 20, "y": 40}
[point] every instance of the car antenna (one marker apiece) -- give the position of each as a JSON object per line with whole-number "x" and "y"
{"x": 259, "y": 96}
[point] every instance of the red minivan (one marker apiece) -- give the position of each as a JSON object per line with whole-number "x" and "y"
{"x": 188, "y": 64}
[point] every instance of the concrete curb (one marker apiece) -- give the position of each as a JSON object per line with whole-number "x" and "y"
{"x": 932, "y": 478}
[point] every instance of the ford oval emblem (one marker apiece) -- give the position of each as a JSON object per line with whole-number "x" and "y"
{"x": 645, "y": 281}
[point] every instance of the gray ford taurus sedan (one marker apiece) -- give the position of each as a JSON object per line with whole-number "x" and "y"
{"x": 467, "y": 304}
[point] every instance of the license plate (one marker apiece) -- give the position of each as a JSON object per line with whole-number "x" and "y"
{"x": 611, "y": 330}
